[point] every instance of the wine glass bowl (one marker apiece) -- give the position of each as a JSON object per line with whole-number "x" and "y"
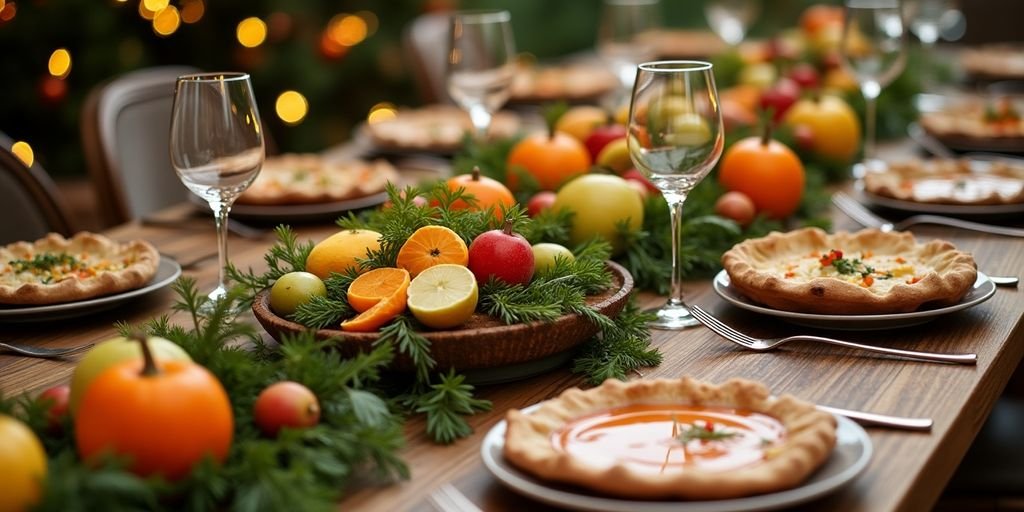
{"x": 217, "y": 146}
{"x": 481, "y": 64}
{"x": 730, "y": 19}
{"x": 675, "y": 138}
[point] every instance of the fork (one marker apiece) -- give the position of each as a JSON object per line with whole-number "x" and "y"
{"x": 762, "y": 345}
{"x": 45, "y": 353}
{"x": 449, "y": 499}
{"x": 863, "y": 216}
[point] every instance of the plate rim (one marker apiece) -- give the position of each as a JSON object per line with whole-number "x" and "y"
{"x": 938, "y": 208}
{"x": 513, "y": 478}
{"x": 166, "y": 264}
{"x": 720, "y": 282}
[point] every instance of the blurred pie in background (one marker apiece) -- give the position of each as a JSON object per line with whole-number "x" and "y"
{"x": 308, "y": 178}
{"x": 438, "y": 128}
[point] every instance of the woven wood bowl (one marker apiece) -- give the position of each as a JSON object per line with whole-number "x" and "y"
{"x": 483, "y": 342}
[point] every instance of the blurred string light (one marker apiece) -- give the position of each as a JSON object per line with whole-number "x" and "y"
{"x": 381, "y": 112}
{"x": 192, "y": 10}
{"x": 291, "y": 107}
{"x": 166, "y": 21}
{"x": 60, "y": 63}
{"x": 24, "y": 152}
{"x": 3, "y": 3}
{"x": 251, "y": 32}
{"x": 347, "y": 29}
{"x": 371, "y": 22}
{"x": 8, "y": 12}
{"x": 155, "y": 6}
{"x": 146, "y": 12}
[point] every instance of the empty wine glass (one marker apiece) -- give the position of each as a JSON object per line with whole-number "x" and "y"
{"x": 873, "y": 50}
{"x": 925, "y": 18}
{"x": 216, "y": 145}
{"x": 481, "y": 64}
{"x": 731, "y": 19}
{"x": 623, "y": 36}
{"x": 675, "y": 138}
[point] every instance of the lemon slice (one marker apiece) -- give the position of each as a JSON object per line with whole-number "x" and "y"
{"x": 443, "y": 296}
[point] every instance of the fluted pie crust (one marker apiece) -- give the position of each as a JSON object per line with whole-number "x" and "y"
{"x": 809, "y": 438}
{"x": 948, "y": 181}
{"x": 782, "y": 270}
{"x": 310, "y": 179}
{"x": 87, "y": 265}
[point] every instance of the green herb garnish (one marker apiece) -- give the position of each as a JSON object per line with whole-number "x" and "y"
{"x": 46, "y": 262}
{"x": 697, "y": 432}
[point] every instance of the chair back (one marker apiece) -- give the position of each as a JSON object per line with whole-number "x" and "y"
{"x": 425, "y": 42}
{"x": 126, "y": 137}
{"x": 30, "y": 199}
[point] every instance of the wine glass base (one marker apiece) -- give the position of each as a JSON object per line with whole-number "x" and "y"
{"x": 212, "y": 298}
{"x": 673, "y": 318}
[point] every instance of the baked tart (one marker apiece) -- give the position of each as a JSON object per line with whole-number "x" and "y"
{"x": 309, "y": 179}
{"x": 973, "y": 122}
{"x": 867, "y": 272}
{"x": 54, "y": 269}
{"x": 672, "y": 439}
{"x": 439, "y": 128}
{"x": 576, "y": 82}
{"x": 945, "y": 181}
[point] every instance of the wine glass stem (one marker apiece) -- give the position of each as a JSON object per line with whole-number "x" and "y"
{"x": 221, "y": 210}
{"x": 675, "y": 207}
{"x": 481, "y": 119}
{"x": 871, "y": 91}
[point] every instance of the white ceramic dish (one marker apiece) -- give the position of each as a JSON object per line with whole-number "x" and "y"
{"x": 849, "y": 458}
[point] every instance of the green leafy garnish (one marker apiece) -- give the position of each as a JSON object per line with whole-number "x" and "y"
{"x": 698, "y": 432}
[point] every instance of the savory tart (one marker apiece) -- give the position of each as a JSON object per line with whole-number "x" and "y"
{"x": 945, "y": 181}
{"x": 308, "y": 179}
{"x": 672, "y": 439}
{"x": 438, "y": 128}
{"x": 54, "y": 269}
{"x": 867, "y": 272}
{"x": 572, "y": 83}
{"x": 974, "y": 121}
{"x": 998, "y": 61}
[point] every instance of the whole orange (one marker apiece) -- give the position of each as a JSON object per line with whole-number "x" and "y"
{"x": 767, "y": 171}
{"x": 486, "y": 192}
{"x": 551, "y": 159}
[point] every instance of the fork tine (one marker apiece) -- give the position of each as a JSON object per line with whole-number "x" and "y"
{"x": 717, "y": 326}
{"x": 855, "y": 210}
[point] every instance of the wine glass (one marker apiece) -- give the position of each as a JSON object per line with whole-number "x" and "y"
{"x": 481, "y": 64}
{"x": 872, "y": 49}
{"x": 675, "y": 138}
{"x": 623, "y": 36}
{"x": 730, "y": 19}
{"x": 216, "y": 145}
{"x": 926, "y": 20}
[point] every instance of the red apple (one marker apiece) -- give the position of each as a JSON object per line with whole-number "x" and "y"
{"x": 285, "y": 404}
{"x": 600, "y": 138}
{"x": 539, "y": 202}
{"x": 501, "y": 254}
{"x": 780, "y": 97}
{"x": 803, "y": 137}
{"x": 804, "y": 75}
{"x": 636, "y": 176}
{"x": 56, "y": 403}
{"x": 736, "y": 206}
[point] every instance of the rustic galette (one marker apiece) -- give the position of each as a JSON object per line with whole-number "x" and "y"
{"x": 309, "y": 179}
{"x": 438, "y": 128}
{"x": 945, "y": 181}
{"x": 672, "y": 439}
{"x": 867, "y": 272}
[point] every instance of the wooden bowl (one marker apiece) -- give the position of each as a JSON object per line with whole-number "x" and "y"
{"x": 483, "y": 342}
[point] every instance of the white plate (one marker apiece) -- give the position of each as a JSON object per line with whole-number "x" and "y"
{"x": 167, "y": 271}
{"x": 849, "y": 457}
{"x": 982, "y": 290}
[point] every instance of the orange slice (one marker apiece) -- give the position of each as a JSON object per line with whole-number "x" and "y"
{"x": 376, "y": 285}
{"x": 432, "y": 245}
{"x": 381, "y": 313}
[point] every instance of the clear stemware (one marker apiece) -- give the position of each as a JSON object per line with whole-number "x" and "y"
{"x": 873, "y": 50}
{"x": 624, "y": 37}
{"x": 731, "y": 19}
{"x": 481, "y": 64}
{"x": 216, "y": 145}
{"x": 675, "y": 138}
{"x": 925, "y": 18}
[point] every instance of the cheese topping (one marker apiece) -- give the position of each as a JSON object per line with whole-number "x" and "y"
{"x": 876, "y": 272}
{"x": 53, "y": 267}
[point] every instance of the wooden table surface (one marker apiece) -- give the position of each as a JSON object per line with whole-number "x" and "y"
{"x": 908, "y": 470}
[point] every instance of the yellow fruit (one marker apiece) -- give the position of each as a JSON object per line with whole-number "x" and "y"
{"x": 443, "y": 296}
{"x": 833, "y": 124}
{"x": 600, "y": 203}
{"x": 339, "y": 252}
{"x": 580, "y": 121}
{"x": 24, "y": 466}
{"x": 622, "y": 115}
{"x": 615, "y": 156}
{"x": 761, "y": 75}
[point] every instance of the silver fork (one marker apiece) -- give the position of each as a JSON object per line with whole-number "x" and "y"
{"x": 865, "y": 217}
{"x": 449, "y": 499}
{"x": 761, "y": 345}
{"x": 42, "y": 352}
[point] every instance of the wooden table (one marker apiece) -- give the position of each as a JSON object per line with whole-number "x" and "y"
{"x": 908, "y": 471}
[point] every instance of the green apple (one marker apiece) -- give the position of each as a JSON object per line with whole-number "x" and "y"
{"x": 600, "y": 202}
{"x": 761, "y": 75}
{"x": 544, "y": 255}
{"x": 293, "y": 290}
{"x": 111, "y": 352}
{"x": 615, "y": 156}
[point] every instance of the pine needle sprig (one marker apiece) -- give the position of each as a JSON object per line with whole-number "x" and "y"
{"x": 446, "y": 405}
{"x": 621, "y": 348}
{"x": 286, "y": 255}
{"x": 321, "y": 312}
{"x": 407, "y": 341}
{"x": 549, "y": 225}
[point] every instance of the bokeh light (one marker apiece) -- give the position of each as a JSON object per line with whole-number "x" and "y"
{"x": 251, "y": 32}
{"x": 192, "y": 10}
{"x": 8, "y": 12}
{"x": 371, "y": 22}
{"x": 155, "y": 6}
{"x": 167, "y": 21}
{"x": 24, "y": 152}
{"x": 3, "y": 3}
{"x": 291, "y": 107}
{"x": 60, "y": 63}
{"x": 146, "y": 12}
{"x": 347, "y": 29}
{"x": 381, "y": 112}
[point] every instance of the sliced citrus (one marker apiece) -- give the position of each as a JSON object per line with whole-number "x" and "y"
{"x": 376, "y": 285}
{"x": 432, "y": 245}
{"x": 381, "y": 313}
{"x": 443, "y": 296}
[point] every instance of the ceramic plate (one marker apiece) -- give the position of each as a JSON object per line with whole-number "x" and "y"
{"x": 982, "y": 290}
{"x": 166, "y": 273}
{"x": 951, "y": 210}
{"x": 304, "y": 212}
{"x": 850, "y": 456}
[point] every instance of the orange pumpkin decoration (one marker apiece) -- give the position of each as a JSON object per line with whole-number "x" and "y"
{"x": 551, "y": 159}
{"x": 486, "y": 192}
{"x": 165, "y": 416}
{"x": 767, "y": 171}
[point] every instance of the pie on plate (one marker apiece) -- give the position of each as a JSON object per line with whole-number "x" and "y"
{"x": 867, "y": 272}
{"x": 54, "y": 269}
{"x": 438, "y": 128}
{"x": 294, "y": 179}
{"x": 978, "y": 122}
{"x": 672, "y": 439}
{"x": 997, "y": 61}
{"x": 575, "y": 82}
{"x": 954, "y": 182}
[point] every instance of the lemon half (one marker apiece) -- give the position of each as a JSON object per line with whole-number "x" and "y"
{"x": 443, "y": 296}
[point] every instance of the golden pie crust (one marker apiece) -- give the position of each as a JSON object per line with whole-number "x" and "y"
{"x": 809, "y": 437}
{"x": 1001, "y": 61}
{"x": 439, "y": 128}
{"x": 87, "y": 265}
{"x": 787, "y": 271}
{"x": 945, "y": 181}
{"x": 309, "y": 179}
{"x": 577, "y": 82}
{"x": 965, "y": 121}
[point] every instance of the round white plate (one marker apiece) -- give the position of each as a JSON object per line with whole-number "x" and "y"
{"x": 849, "y": 457}
{"x": 982, "y": 290}
{"x": 167, "y": 271}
